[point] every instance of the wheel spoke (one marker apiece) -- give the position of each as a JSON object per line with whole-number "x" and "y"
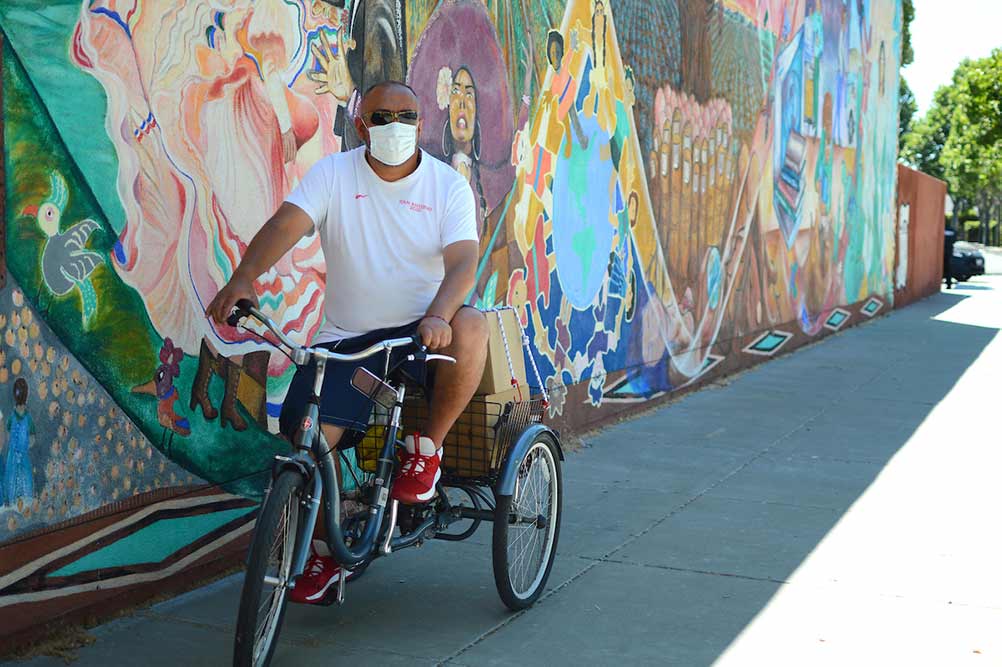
{"x": 278, "y": 570}
{"x": 529, "y": 544}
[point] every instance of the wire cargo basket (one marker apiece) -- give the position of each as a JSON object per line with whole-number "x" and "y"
{"x": 476, "y": 445}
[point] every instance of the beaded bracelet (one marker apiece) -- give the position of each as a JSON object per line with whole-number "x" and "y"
{"x": 435, "y": 317}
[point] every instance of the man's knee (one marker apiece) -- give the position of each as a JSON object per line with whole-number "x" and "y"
{"x": 469, "y": 329}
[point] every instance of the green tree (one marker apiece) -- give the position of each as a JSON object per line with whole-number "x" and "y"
{"x": 907, "y": 107}
{"x": 922, "y": 146}
{"x": 972, "y": 154}
{"x": 907, "y": 15}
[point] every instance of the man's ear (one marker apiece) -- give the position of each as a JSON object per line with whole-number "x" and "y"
{"x": 420, "y": 126}
{"x": 361, "y": 129}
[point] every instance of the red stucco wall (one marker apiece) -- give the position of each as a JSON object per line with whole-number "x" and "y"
{"x": 925, "y": 197}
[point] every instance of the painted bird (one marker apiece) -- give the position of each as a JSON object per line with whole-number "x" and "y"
{"x": 66, "y": 263}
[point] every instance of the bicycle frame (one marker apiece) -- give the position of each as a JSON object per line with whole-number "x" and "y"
{"x": 324, "y": 486}
{"x": 314, "y": 459}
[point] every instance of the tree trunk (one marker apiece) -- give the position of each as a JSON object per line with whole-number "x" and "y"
{"x": 985, "y": 213}
{"x": 998, "y": 222}
{"x": 997, "y": 206}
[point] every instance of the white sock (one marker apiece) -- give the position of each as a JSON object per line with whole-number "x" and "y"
{"x": 321, "y": 549}
{"x": 427, "y": 446}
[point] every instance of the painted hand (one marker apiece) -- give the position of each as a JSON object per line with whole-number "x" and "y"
{"x": 333, "y": 76}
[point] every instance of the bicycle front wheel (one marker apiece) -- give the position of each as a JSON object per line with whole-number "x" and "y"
{"x": 526, "y": 526}
{"x": 269, "y": 567}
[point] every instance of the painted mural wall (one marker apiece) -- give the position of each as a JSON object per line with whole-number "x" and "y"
{"x": 667, "y": 191}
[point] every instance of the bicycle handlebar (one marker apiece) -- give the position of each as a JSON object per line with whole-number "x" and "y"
{"x": 300, "y": 354}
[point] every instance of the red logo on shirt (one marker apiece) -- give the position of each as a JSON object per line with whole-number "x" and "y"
{"x": 416, "y": 207}
{"x": 360, "y": 196}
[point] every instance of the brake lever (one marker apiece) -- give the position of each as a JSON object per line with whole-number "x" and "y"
{"x": 426, "y": 357}
{"x": 235, "y": 317}
{"x": 439, "y": 357}
{"x": 240, "y": 311}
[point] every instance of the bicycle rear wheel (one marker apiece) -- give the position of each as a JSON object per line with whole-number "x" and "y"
{"x": 526, "y": 526}
{"x": 269, "y": 565}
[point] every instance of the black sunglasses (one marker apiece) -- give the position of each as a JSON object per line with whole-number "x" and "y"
{"x": 384, "y": 117}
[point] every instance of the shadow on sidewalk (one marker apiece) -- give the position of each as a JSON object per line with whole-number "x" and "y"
{"x": 703, "y": 510}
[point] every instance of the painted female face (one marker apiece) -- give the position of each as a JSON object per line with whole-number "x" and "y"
{"x": 599, "y": 33}
{"x": 555, "y": 55}
{"x": 462, "y": 107}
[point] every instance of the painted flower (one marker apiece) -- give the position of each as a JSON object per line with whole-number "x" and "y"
{"x": 170, "y": 357}
{"x": 443, "y": 88}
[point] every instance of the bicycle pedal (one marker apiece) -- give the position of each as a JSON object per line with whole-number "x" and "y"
{"x": 409, "y": 518}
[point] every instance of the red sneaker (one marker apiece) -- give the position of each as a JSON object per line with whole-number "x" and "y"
{"x": 320, "y": 574}
{"x": 419, "y": 472}
{"x": 406, "y": 455}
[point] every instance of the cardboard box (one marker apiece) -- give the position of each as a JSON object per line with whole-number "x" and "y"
{"x": 497, "y": 374}
{"x": 469, "y": 448}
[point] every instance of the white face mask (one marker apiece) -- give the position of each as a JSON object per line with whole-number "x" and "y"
{"x": 392, "y": 144}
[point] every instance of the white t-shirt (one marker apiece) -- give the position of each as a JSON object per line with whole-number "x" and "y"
{"x": 382, "y": 241}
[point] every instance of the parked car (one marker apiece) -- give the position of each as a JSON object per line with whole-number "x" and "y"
{"x": 967, "y": 261}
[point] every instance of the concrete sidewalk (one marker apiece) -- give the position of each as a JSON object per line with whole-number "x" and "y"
{"x": 836, "y": 506}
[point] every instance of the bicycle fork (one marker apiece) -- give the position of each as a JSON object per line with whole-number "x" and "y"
{"x": 323, "y": 484}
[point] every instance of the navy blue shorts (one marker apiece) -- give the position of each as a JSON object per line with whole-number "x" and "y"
{"x": 340, "y": 403}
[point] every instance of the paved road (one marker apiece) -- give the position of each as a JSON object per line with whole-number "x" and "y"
{"x": 836, "y": 506}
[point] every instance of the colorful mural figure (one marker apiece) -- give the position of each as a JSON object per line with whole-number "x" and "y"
{"x": 18, "y": 476}
{"x": 664, "y": 190}
{"x": 66, "y": 264}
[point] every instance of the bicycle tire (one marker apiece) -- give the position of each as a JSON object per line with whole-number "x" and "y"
{"x": 520, "y": 591}
{"x": 279, "y": 520}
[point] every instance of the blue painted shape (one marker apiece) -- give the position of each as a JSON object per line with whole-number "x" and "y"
{"x": 153, "y": 543}
{"x": 769, "y": 342}
{"x": 713, "y": 277}
{"x": 582, "y": 233}
{"x": 114, "y": 16}
{"x": 585, "y": 84}
{"x": 644, "y": 381}
{"x": 836, "y": 319}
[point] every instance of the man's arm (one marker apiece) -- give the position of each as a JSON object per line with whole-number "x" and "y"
{"x": 277, "y": 237}
{"x": 460, "y": 278}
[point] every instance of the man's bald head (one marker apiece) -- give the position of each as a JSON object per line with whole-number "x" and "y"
{"x": 389, "y": 95}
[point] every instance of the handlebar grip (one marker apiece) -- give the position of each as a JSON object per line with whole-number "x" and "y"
{"x": 243, "y": 308}
{"x": 416, "y": 339}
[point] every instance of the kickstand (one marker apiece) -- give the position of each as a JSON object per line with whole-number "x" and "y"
{"x": 340, "y": 587}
